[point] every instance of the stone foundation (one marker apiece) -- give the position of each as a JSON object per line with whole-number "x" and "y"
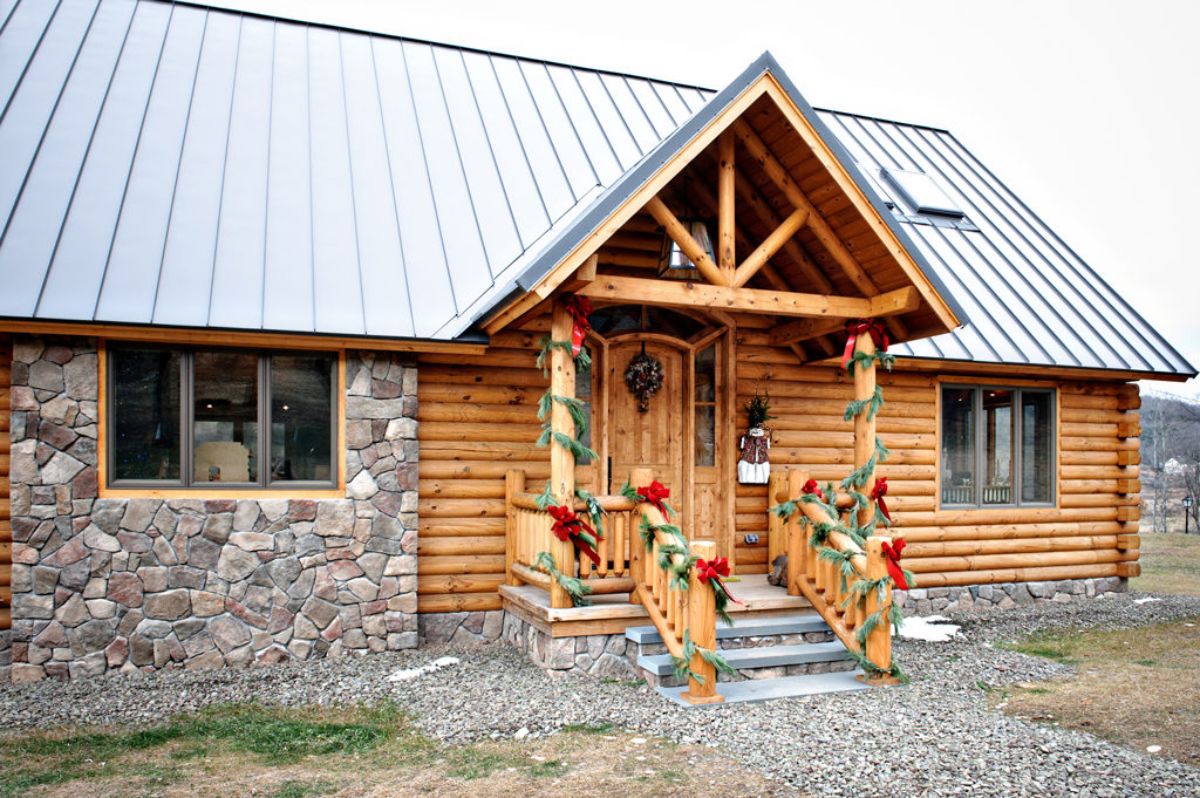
{"x": 106, "y": 583}
{"x": 601, "y": 656}
{"x": 926, "y": 601}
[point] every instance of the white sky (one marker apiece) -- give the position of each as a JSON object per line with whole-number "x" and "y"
{"x": 1090, "y": 111}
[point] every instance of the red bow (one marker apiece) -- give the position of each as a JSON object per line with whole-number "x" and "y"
{"x": 892, "y": 552}
{"x": 580, "y": 308}
{"x": 811, "y": 487}
{"x": 568, "y": 526}
{"x": 862, "y": 327}
{"x": 877, "y": 493}
{"x": 713, "y": 570}
{"x": 655, "y": 493}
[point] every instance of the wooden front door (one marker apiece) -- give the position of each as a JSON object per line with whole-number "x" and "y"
{"x": 654, "y": 438}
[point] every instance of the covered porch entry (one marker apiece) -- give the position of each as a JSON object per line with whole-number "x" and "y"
{"x": 755, "y": 230}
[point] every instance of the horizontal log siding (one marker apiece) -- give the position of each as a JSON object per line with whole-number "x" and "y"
{"x": 478, "y": 419}
{"x": 1091, "y": 533}
{"x": 5, "y": 502}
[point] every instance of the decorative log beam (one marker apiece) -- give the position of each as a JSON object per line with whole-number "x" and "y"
{"x": 753, "y": 199}
{"x": 794, "y": 332}
{"x": 690, "y": 246}
{"x": 612, "y": 288}
{"x": 767, "y": 249}
{"x": 726, "y": 245}
{"x": 583, "y": 275}
{"x": 701, "y": 193}
{"x": 819, "y": 227}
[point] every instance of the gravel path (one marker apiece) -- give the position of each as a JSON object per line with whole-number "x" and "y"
{"x": 935, "y": 737}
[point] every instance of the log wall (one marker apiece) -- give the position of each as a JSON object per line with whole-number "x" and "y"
{"x": 1090, "y": 532}
{"x": 478, "y": 419}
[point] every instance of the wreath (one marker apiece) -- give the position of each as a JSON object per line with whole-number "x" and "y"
{"x": 644, "y": 376}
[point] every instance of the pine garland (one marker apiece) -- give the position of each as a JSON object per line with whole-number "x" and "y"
{"x": 683, "y": 665}
{"x": 594, "y": 510}
{"x": 871, "y": 405}
{"x": 583, "y": 360}
{"x": 574, "y": 587}
{"x": 885, "y": 359}
{"x": 844, "y": 560}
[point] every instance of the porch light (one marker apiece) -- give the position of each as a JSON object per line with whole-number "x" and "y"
{"x": 673, "y": 264}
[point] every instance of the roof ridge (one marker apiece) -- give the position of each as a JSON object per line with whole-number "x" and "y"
{"x": 206, "y": 6}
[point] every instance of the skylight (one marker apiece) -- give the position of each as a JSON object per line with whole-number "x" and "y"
{"x": 921, "y": 194}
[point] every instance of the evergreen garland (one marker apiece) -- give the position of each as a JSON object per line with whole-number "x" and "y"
{"x": 885, "y": 359}
{"x": 871, "y": 404}
{"x": 683, "y": 665}
{"x": 594, "y": 510}
{"x": 574, "y": 587}
{"x": 583, "y": 360}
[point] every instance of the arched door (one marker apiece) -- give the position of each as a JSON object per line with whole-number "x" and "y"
{"x": 653, "y": 438}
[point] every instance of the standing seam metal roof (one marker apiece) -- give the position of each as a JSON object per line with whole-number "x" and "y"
{"x": 178, "y": 165}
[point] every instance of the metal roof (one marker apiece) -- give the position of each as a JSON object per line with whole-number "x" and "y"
{"x": 178, "y": 165}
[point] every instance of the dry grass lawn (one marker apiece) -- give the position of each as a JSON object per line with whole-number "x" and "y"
{"x": 250, "y": 750}
{"x": 1137, "y": 687}
{"x": 1170, "y": 564}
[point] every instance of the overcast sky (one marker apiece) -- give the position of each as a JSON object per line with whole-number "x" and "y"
{"x": 1090, "y": 111}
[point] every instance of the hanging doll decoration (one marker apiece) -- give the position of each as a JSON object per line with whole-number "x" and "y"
{"x": 754, "y": 467}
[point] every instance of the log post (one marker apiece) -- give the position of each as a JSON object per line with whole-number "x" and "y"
{"x": 864, "y": 427}
{"x": 798, "y": 553}
{"x": 562, "y": 462}
{"x": 879, "y": 641}
{"x": 514, "y": 483}
{"x": 638, "y": 477}
{"x": 777, "y": 542}
{"x": 702, "y": 628}
{"x": 726, "y": 242}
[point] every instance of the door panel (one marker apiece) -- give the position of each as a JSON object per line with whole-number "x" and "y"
{"x": 653, "y": 439}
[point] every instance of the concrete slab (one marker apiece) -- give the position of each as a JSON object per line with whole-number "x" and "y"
{"x": 756, "y": 690}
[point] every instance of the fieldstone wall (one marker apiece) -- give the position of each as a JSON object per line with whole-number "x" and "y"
{"x": 104, "y": 583}
{"x": 926, "y": 601}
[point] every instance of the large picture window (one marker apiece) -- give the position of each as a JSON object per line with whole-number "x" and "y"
{"x": 221, "y": 418}
{"x": 997, "y": 446}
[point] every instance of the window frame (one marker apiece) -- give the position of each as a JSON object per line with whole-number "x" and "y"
{"x": 980, "y": 444}
{"x": 186, "y": 483}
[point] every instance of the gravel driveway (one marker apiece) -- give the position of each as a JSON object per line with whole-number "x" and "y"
{"x": 935, "y": 737}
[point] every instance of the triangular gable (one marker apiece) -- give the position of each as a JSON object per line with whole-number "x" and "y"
{"x": 764, "y": 79}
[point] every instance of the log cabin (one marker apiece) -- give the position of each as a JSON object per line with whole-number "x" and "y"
{"x": 318, "y": 341}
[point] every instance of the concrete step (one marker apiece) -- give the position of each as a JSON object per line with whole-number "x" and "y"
{"x": 741, "y": 659}
{"x": 785, "y": 687}
{"x": 795, "y": 623}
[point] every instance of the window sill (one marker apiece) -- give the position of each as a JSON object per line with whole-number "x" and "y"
{"x": 246, "y": 492}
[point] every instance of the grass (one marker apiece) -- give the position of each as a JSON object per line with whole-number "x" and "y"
{"x": 1136, "y": 687}
{"x": 1170, "y": 564}
{"x": 300, "y": 753}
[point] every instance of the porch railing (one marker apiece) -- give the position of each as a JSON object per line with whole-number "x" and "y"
{"x": 821, "y": 581}
{"x": 685, "y": 616}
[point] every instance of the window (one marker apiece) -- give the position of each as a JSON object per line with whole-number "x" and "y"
{"x": 706, "y": 406}
{"x": 221, "y": 418}
{"x": 997, "y": 446}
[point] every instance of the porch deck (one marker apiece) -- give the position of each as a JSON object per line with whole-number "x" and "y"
{"x": 613, "y": 613}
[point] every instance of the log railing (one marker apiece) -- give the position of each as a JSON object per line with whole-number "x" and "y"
{"x": 685, "y": 617}
{"x": 529, "y": 533}
{"x": 682, "y": 615}
{"x": 821, "y": 581}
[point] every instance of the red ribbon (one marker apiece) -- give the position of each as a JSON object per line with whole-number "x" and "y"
{"x": 569, "y": 526}
{"x": 874, "y": 327}
{"x": 877, "y": 493}
{"x": 713, "y": 570}
{"x": 655, "y": 493}
{"x": 811, "y": 487}
{"x": 892, "y": 552}
{"x": 580, "y": 308}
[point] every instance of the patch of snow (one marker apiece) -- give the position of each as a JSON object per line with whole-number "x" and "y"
{"x": 411, "y": 673}
{"x": 1145, "y": 600}
{"x": 929, "y": 628}
{"x": 1153, "y": 749}
{"x": 522, "y": 733}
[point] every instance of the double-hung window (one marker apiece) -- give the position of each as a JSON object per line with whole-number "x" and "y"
{"x": 221, "y": 418}
{"x": 997, "y": 446}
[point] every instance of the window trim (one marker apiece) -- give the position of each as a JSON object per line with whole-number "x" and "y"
{"x": 135, "y": 489}
{"x": 1017, "y": 389}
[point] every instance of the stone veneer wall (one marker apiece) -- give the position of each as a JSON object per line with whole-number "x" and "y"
{"x": 102, "y": 584}
{"x": 924, "y": 601}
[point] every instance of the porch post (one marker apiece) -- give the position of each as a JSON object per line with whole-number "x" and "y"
{"x": 562, "y": 462}
{"x": 864, "y": 427}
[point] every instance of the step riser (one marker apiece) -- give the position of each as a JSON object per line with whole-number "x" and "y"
{"x": 757, "y": 674}
{"x": 732, "y": 643}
